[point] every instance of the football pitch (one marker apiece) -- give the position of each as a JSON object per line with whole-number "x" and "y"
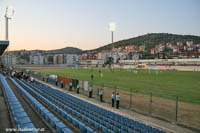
{"x": 165, "y": 84}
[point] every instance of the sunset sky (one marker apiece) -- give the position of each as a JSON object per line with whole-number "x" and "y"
{"x": 53, "y": 24}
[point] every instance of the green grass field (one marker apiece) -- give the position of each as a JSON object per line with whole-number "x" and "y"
{"x": 165, "y": 84}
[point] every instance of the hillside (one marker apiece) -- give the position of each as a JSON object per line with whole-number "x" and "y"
{"x": 152, "y": 39}
{"x": 66, "y": 50}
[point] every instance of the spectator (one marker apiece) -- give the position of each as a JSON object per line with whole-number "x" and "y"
{"x": 90, "y": 92}
{"x": 43, "y": 78}
{"x": 117, "y": 100}
{"x": 13, "y": 74}
{"x": 56, "y": 82}
{"x": 70, "y": 86}
{"x": 113, "y": 99}
{"x": 62, "y": 84}
{"x": 77, "y": 88}
{"x": 31, "y": 79}
{"x": 26, "y": 77}
{"x": 101, "y": 95}
{"x": 47, "y": 78}
{"x": 22, "y": 74}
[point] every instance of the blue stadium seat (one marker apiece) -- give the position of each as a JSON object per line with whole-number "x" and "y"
{"x": 97, "y": 125}
{"x": 20, "y": 114}
{"x": 82, "y": 127}
{"x": 48, "y": 115}
{"x": 17, "y": 110}
{"x": 66, "y": 130}
{"x": 69, "y": 118}
{"x": 89, "y": 130}
{"x": 59, "y": 127}
{"x": 23, "y": 120}
{"x": 75, "y": 122}
{"x": 53, "y": 121}
{"x": 91, "y": 122}
{"x": 44, "y": 111}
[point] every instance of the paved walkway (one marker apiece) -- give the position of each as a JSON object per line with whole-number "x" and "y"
{"x": 166, "y": 126}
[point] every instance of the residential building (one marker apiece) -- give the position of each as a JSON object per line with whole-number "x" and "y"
{"x": 71, "y": 59}
{"x": 58, "y": 59}
{"x": 36, "y": 59}
{"x": 188, "y": 43}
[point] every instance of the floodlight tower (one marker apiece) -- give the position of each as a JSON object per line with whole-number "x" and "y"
{"x": 9, "y": 14}
{"x": 112, "y": 28}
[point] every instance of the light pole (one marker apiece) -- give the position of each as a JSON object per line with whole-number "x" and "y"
{"x": 112, "y": 28}
{"x": 9, "y": 14}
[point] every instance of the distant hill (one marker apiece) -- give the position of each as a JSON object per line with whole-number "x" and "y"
{"x": 152, "y": 39}
{"x": 67, "y": 50}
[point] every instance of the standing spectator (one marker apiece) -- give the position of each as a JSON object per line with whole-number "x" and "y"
{"x": 101, "y": 95}
{"x": 90, "y": 92}
{"x": 47, "y": 78}
{"x": 117, "y": 100}
{"x": 77, "y": 88}
{"x": 62, "y": 84}
{"x": 70, "y": 86}
{"x": 56, "y": 82}
{"x": 43, "y": 78}
{"x": 113, "y": 99}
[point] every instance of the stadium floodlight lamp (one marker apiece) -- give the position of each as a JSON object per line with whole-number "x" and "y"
{"x": 9, "y": 12}
{"x": 112, "y": 27}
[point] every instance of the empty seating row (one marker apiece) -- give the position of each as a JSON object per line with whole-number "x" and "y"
{"x": 89, "y": 119}
{"x": 75, "y": 122}
{"x": 103, "y": 121}
{"x": 20, "y": 116}
{"x": 55, "y": 123}
{"x": 120, "y": 121}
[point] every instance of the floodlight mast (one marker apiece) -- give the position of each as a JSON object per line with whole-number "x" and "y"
{"x": 9, "y": 14}
{"x": 6, "y": 28}
{"x": 112, "y": 29}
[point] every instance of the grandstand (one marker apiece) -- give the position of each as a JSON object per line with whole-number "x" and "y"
{"x": 60, "y": 112}
{"x": 3, "y": 46}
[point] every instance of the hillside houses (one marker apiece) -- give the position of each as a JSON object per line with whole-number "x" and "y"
{"x": 132, "y": 52}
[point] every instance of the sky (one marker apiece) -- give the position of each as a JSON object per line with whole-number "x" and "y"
{"x": 54, "y": 24}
